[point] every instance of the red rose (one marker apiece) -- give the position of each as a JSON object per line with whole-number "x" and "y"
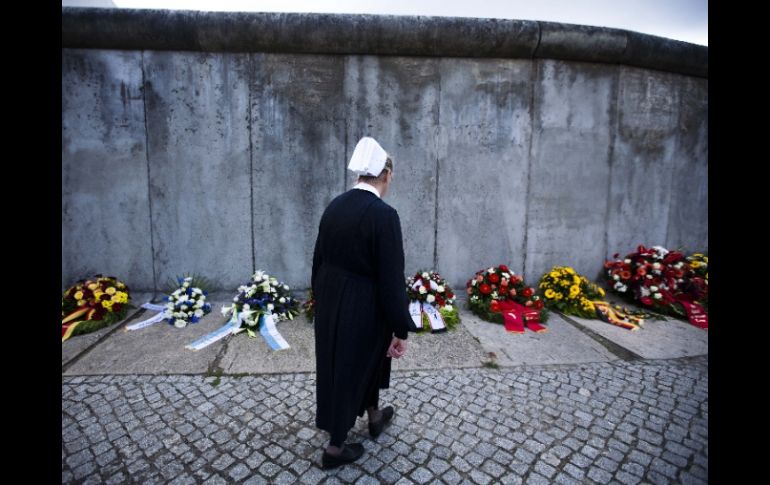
{"x": 504, "y": 268}
{"x": 98, "y": 313}
{"x": 440, "y": 301}
{"x": 528, "y": 292}
{"x": 625, "y": 275}
{"x": 641, "y": 271}
{"x": 450, "y": 295}
{"x": 494, "y": 306}
{"x": 494, "y": 278}
{"x": 485, "y": 289}
{"x": 539, "y": 304}
{"x": 647, "y": 300}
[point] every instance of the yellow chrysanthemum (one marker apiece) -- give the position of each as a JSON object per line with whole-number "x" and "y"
{"x": 558, "y": 296}
{"x": 549, "y": 293}
{"x": 110, "y": 290}
{"x": 695, "y": 264}
{"x": 81, "y": 302}
{"x": 120, "y": 285}
{"x": 553, "y": 274}
{"x": 601, "y": 292}
{"x": 79, "y": 295}
{"x": 98, "y": 293}
{"x": 107, "y": 304}
{"x": 93, "y": 286}
{"x": 574, "y": 290}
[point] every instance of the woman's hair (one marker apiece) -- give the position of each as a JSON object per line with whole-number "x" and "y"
{"x": 381, "y": 177}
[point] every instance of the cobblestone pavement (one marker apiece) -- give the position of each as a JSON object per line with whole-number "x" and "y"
{"x": 620, "y": 422}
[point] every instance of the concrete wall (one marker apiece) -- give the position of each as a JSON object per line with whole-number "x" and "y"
{"x": 222, "y": 162}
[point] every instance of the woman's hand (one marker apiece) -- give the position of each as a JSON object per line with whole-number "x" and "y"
{"x": 397, "y": 348}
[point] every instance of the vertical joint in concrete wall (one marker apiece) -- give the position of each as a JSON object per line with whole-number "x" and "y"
{"x": 437, "y": 140}
{"x": 251, "y": 166}
{"x": 345, "y": 160}
{"x": 614, "y": 127}
{"x": 674, "y": 171}
{"x": 534, "y": 76}
{"x": 149, "y": 179}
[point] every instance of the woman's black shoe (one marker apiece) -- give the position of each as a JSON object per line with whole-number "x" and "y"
{"x": 376, "y": 428}
{"x": 349, "y": 454}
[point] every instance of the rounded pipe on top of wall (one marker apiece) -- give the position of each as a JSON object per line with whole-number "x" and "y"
{"x": 317, "y": 33}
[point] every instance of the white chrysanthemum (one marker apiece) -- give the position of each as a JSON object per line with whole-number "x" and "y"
{"x": 282, "y": 300}
{"x": 615, "y": 277}
{"x": 170, "y": 306}
{"x": 645, "y": 291}
{"x": 422, "y": 290}
{"x": 657, "y": 296}
{"x": 656, "y": 265}
{"x": 474, "y": 298}
{"x": 494, "y": 294}
{"x": 448, "y": 306}
{"x": 653, "y": 289}
{"x": 425, "y": 275}
{"x": 491, "y": 270}
{"x": 430, "y": 299}
{"x": 179, "y": 323}
{"x": 198, "y": 313}
{"x": 507, "y": 276}
{"x": 440, "y": 289}
{"x": 649, "y": 276}
{"x": 627, "y": 261}
{"x": 473, "y": 282}
{"x": 246, "y": 307}
{"x": 286, "y": 287}
{"x": 270, "y": 307}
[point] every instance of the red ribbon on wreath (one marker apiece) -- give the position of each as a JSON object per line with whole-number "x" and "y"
{"x": 517, "y": 316}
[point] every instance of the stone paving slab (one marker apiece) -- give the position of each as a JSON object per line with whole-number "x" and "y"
{"x": 561, "y": 344}
{"x": 610, "y": 422}
{"x": 157, "y": 349}
{"x": 656, "y": 339}
{"x": 73, "y": 346}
